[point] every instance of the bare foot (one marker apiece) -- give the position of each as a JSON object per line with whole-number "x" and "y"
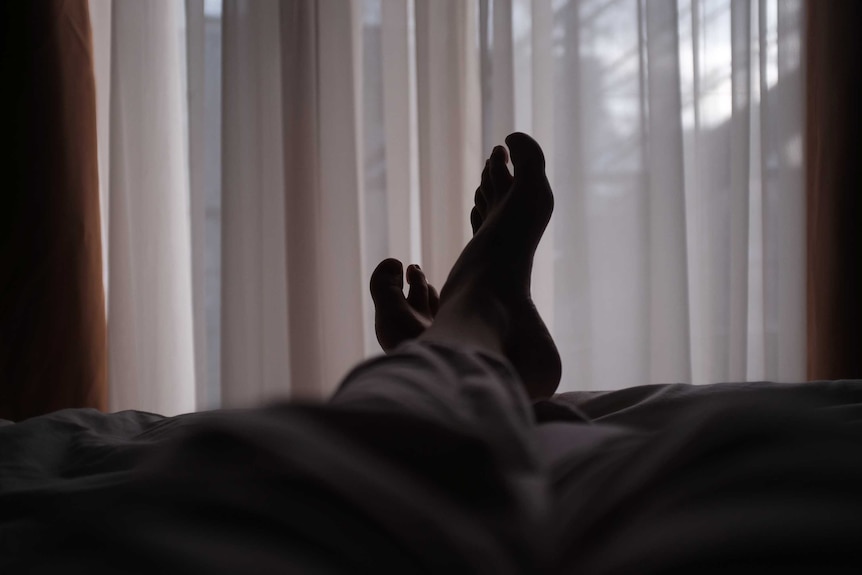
{"x": 488, "y": 289}
{"x": 396, "y": 318}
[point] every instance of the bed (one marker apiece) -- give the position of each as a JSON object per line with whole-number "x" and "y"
{"x": 666, "y": 478}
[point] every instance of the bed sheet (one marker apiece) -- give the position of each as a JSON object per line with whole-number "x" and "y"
{"x": 657, "y": 478}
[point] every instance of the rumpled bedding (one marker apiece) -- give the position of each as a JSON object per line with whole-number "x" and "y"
{"x": 749, "y": 477}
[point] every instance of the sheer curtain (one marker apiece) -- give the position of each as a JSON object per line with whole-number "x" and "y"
{"x": 144, "y": 175}
{"x": 260, "y": 157}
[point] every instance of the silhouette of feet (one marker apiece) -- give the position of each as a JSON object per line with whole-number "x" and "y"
{"x": 492, "y": 275}
{"x": 396, "y": 318}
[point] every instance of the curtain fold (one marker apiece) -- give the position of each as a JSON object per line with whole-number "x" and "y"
{"x": 666, "y": 319}
{"x": 150, "y": 319}
{"x": 397, "y": 54}
{"x": 538, "y": 71}
{"x": 449, "y": 124}
{"x": 782, "y": 192}
{"x": 254, "y": 358}
{"x": 300, "y": 117}
{"x": 293, "y": 276}
{"x": 52, "y": 314}
{"x": 343, "y": 278}
{"x": 196, "y": 72}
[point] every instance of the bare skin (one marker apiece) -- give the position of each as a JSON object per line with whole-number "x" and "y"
{"x": 398, "y": 319}
{"x": 486, "y": 300}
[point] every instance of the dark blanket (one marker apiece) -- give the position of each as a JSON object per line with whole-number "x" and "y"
{"x": 665, "y": 478}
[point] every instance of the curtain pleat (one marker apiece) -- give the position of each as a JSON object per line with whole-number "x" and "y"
{"x": 399, "y": 103}
{"x": 52, "y": 314}
{"x": 293, "y": 280}
{"x": 196, "y": 93}
{"x": 450, "y": 156}
{"x": 254, "y": 358}
{"x": 667, "y": 312}
{"x": 501, "y": 94}
{"x": 573, "y": 308}
{"x": 343, "y": 276}
{"x": 150, "y": 319}
{"x": 739, "y": 201}
{"x": 100, "y": 18}
{"x": 540, "y": 123}
{"x": 300, "y": 116}
{"x": 784, "y": 200}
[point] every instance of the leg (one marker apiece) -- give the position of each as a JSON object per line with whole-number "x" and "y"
{"x": 457, "y": 367}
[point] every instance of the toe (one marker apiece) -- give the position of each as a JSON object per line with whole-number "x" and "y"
{"x": 527, "y": 156}
{"x": 501, "y": 179}
{"x": 418, "y": 297}
{"x": 387, "y": 283}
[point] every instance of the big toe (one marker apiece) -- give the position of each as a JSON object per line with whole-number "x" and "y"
{"x": 531, "y": 190}
{"x": 387, "y": 283}
{"x": 500, "y": 177}
{"x": 527, "y": 156}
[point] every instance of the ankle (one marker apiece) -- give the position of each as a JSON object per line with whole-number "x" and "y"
{"x": 472, "y": 319}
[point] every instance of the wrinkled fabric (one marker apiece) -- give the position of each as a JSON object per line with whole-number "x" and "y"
{"x": 432, "y": 460}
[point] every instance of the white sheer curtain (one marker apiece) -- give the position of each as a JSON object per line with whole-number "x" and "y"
{"x": 317, "y": 137}
{"x": 144, "y": 173}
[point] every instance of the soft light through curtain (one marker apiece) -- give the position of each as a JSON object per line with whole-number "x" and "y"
{"x": 323, "y": 136}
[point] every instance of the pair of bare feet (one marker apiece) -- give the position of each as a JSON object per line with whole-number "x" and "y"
{"x": 486, "y": 301}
